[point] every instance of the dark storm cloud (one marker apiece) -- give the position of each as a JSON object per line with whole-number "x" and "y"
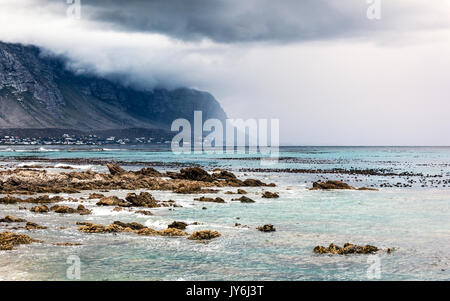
{"x": 231, "y": 21}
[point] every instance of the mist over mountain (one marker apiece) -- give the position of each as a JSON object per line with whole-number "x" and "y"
{"x": 38, "y": 92}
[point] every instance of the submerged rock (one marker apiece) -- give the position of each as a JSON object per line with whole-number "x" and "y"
{"x": 178, "y": 225}
{"x": 144, "y": 212}
{"x": 270, "y": 195}
{"x": 210, "y": 200}
{"x": 266, "y": 228}
{"x": 244, "y": 199}
{"x": 347, "y": 249}
{"x": 204, "y": 235}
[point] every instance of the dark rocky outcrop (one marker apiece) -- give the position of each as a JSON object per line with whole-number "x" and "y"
{"x": 244, "y": 199}
{"x": 144, "y": 212}
{"x": 34, "y": 226}
{"x": 210, "y": 200}
{"x": 37, "y": 91}
{"x": 9, "y": 240}
{"x": 149, "y": 172}
{"x": 270, "y": 195}
{"x": 328, "y": 185}
{"x": 178, "y": 225}
{"x": 112, "y": 201}
{"x": 144, "y": 199}
{"x": 133, "y": 225}
{"x": 346, "y": 249}
{"x": 118, "y": 227}
{"x": 93, "y": 196}
{"x": 204, "y": 235}
{"x": 266, "y": 228}
{"x": 115, "y": 169}
{"x": 44, "y": 199}
{"x": 39, "y": 209}
{"x": 68, "y": 210}
{"x": 12, "y": 219}
{"x": 192, "y": 173}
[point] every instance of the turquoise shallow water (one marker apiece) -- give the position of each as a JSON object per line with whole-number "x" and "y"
{"x": 415, "y": 221}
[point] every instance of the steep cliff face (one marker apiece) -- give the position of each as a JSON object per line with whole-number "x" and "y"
{"x": 36, "y": 91}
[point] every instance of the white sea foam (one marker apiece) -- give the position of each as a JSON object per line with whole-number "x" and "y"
{"x": 28, "y": 164}
{"x": 43, "y": 149}
{"x": 61, "y": 165}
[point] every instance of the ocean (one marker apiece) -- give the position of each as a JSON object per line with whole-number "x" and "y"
{"x": 409, "y": 214}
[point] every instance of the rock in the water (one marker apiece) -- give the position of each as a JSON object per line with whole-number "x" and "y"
{"x": 172, "y": 232}
{"x": 256, "y": 183}
{"x": 34, "y": 226}
{"x": 192, "y": 173}
{"x": 367, "y": 189}
{"x": 93, "y": 228}
{"x": 96, "y": 196}
{"x": 147, "y": 232}
{"x": 68, "y": 210}
{"x": 244, "y": 199}
{"x": 204, "y": 235}
{"x": 43, "y": 199}
{"x": 330, "y": 185}
{"x": 115, "y": 169}
{"x": 144, "y": 212}
{"x": 149, "y": 172}
{"x": 9, "y": 240}
{"x": 347, "y": 249}
{"x": 144, "y": 199}
{"x": 210, "y": 200}
{"x": 39, "y": 209}
{"x": 133, "y": 225}
{"x": 270, "y": 195}
{"x": 112, "y": 201}
{"x": 178, "y": 225}
{"x": 224, "y": 175}
{"x": 12, "y": 219}
{"x": 266, "y": 228}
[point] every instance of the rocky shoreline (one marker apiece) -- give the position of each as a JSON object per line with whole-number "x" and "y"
{"x": 15, "y": 183}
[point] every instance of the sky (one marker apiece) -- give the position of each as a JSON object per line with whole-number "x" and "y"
{"x": 347, "y": 72}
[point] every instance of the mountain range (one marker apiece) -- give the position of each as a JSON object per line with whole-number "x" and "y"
{"x": 38, "y": 93}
